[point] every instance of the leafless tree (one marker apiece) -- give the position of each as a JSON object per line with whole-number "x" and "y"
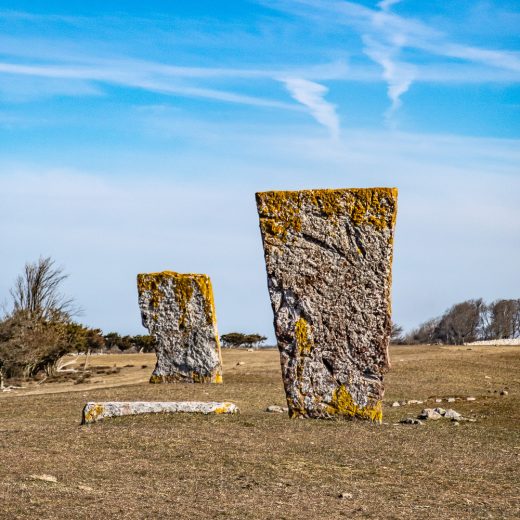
{"x": 504, "y": 319}
{"x": 37, "y": 291}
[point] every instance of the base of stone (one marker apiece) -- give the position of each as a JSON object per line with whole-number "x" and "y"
{"x": 181, "y": 378}
{"x": 93, "y": 412}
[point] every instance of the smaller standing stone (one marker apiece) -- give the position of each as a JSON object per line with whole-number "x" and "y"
{"x": 179, "y": 312}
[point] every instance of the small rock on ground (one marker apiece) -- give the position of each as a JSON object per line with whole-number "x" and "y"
{"x": 45, "y": 478}
{"x": 451, "y": 399}
{"x": 345, "y": 495}
{"x": 453, "y": 415}
{"x": 274, "y": 408}
{"x": 411, "y": 420}
{"x": 395, "y": 404}
{"x": 429, "y": 414}
{"x": 470, "y": 399}
{"x": 504, "y": 392}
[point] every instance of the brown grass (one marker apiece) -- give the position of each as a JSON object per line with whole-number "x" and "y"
{"x": 259, "y": 465}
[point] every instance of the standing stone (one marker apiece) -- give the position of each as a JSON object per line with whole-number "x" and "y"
{"x": 179, "y": 312}
{"x": 328, "y": 256}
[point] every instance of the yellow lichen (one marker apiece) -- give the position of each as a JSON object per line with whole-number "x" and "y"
{"x": 301, "y": 334}
{"x": 343, "y": 404}
{"x": 224, "y": 408}
{"x": 280, "y": 211}
{"x": 93, "y": 413}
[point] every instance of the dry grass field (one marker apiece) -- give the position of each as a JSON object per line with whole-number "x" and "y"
{"x": 258, "y": 465}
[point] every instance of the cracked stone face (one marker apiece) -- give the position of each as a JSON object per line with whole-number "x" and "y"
{"x": 328, "y": 257}
{"x": 179, "y": 312}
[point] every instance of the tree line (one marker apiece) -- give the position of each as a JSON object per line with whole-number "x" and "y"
{"x": 39, "y": 329}
{"x": 466, "y": 322}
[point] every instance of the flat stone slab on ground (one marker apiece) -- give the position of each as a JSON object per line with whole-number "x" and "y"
{"x": 179, "y": 311}
{"x": 328, "y": 257}
{"x": 96, "y": 411}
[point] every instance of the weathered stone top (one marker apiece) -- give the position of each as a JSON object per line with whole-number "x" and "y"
{"x": 183, "y": 287}
{"x": 280, "y": 210}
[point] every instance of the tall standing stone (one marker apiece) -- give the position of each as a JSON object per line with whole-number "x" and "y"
{"x": 328, "y": 257}
{"x": 179, "y": 312}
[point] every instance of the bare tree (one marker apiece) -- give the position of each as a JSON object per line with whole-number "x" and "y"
{"x": 396, "y": 335}
{"x": 462, "y": 323}
{"x": 504, "y": 321}
{"x": 37, "y": 291}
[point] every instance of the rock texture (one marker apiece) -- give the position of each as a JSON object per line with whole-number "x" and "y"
{"x": 328, "y": 257}
{"x": 96, "y": 411}
{"x": 179, "y": 312}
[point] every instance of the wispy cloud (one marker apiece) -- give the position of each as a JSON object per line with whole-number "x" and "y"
{"x": 312, "y": 95}
{"x": 386, "y": 35}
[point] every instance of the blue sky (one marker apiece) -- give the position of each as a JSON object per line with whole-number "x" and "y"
{"x": 133, "y": 136}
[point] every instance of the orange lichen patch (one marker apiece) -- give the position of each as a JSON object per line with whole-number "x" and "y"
{"x": 301, "y": 333}
{"x": 204, "y": 284}
{"x": 343, "y": 404}
{"x": 225, "y": 408}
{"x": 218, "y": 378}
{"x": 280, "y": 211}
{"x": 183, "y": 287}
{"x": 92, "y": 413}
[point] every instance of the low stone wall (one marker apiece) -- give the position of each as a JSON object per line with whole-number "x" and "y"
{"x": 96, "y": 411}
{"x": 497, "y": 342}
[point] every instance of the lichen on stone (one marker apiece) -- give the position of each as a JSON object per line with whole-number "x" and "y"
{"x": 328, "y": 259}
{"x": 179, "y": 311}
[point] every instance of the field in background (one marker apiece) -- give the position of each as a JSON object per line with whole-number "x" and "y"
{"x": 260, "y": 465}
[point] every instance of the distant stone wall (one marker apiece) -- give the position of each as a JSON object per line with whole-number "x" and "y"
{"x": 328, "y": 257}
{"x": 498, "y": 342}
{"x": 179, "y": 312}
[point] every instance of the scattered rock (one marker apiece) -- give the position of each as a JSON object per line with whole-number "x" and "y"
{"x": 438, "y": 400}
{"x": 429, "y": 414}
{"x": 240, "y": 363}
{"x": 453, "y": 415}
{"x": 470, "y": 399}
{"x": 250, "y": 349}
{"x": 45, "y": 478}
{"x": 274, "y": 408}
{"x": 85, "y": 488}
{"x": 323, "y": 249}
{"x": 403, "y": 403}
{"x": 487, "y": 377}
{"x": 395, "y": 404}
{"x": 504, "y": 392}
{"x": 451, "y": 399}
{"x": 415, "y": 401}
{"x": 411, "y": 420}
{"x": 345, "y": 495}
{"x": 456, "y": 423}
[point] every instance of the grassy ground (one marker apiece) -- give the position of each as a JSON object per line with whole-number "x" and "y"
{"x": 258, "y": 465}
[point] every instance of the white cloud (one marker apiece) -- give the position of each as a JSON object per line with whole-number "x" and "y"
{"x": 457, "y": 207}
{"x": 312, "y": 95}
{"x": 385, "y": 5}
